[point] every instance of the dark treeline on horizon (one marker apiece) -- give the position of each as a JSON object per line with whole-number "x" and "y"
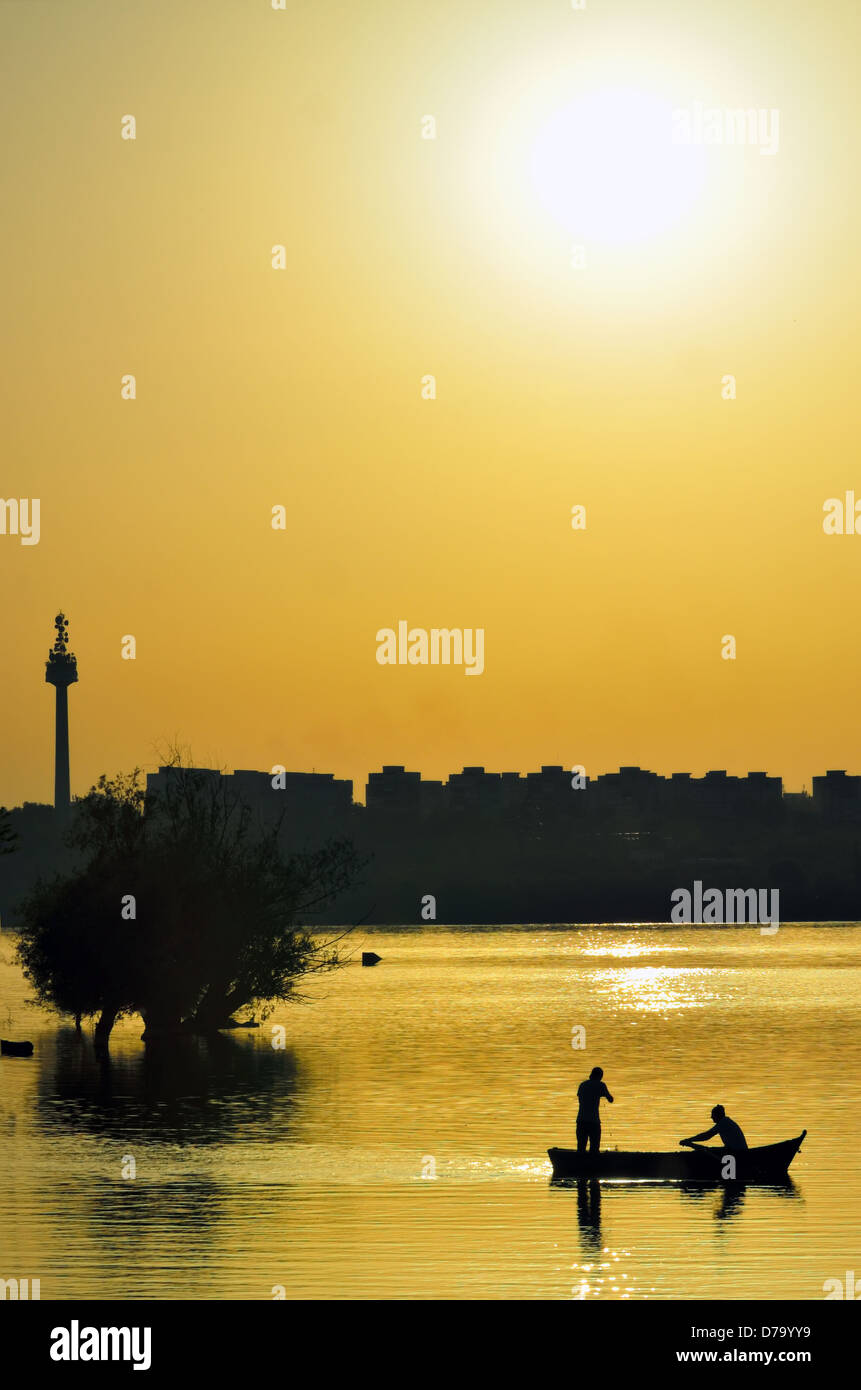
{"x": 545, "y": 847}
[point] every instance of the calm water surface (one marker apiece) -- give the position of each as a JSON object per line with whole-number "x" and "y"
{"x": 306, "y": 1168}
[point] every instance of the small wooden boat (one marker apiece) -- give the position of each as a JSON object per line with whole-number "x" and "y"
{"x": 699, "y": 1163}
{"x": 15, "y": 1049}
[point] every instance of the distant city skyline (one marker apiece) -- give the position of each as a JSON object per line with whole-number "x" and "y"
{"x": 375, "y": 788}
{"x": 62, "y": 663}
{"x": 61, "y": 670}
{"x": 499, "y": 847}
{"x": 66, "y": 783}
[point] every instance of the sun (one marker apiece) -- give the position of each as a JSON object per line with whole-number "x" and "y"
{"x": 606, "y": 167}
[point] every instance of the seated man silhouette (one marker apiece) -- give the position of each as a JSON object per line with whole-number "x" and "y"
{"x": 590, "y": 1094}
{"x": 730, "y": 1133}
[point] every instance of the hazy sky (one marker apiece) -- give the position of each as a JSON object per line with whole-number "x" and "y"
{"x": 556, "y": 384}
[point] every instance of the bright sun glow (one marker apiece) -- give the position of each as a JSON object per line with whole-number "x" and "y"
{"x": 607, "y": 168}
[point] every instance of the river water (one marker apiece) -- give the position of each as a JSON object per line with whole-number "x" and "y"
{"x": 395, "y": 1147}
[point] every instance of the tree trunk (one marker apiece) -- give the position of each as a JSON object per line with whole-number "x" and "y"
{"x": 159, "y": 1023}
{"x": 107, "y": 1019}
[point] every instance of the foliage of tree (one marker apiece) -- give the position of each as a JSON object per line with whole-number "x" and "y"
{"x": 186, "y": 908}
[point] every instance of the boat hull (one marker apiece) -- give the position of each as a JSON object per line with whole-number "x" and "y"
{"x": 768, "y": 1163}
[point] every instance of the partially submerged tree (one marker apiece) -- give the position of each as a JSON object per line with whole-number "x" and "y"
{"x": 187, "y": 908}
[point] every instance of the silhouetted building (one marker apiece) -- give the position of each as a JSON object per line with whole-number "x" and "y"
{"x": 309, "y": 807}
{"x": 473, "y": 792}
{"x": 431, "y": 798}
{"x": 394, "y": 791}
{"x": 837, "y": 796}
{"x": 630, "y": 791}
{"x": 549, "y": 794}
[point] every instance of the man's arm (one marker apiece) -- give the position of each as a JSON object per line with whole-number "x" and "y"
{"x": 607, "y": 1095}
{"x": 697, "y": 1138}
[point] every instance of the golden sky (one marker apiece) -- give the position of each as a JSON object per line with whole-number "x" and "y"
{"x": 556, "y": 385}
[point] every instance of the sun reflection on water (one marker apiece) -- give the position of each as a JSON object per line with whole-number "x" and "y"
{"x": 656, "y": 988}
{"x": 593, "y": 1283}
{"x": 629, "y": 949}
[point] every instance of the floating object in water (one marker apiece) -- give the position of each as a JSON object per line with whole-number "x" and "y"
{"x": 370, "y": 958}
{"x": 769, "y": 1163}
{"x": 15, "y": 1049}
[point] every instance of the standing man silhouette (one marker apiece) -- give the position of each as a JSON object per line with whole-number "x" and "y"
{"x": 590, "y": 1094}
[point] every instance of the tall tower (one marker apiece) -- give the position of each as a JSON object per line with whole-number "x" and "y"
{"x": 61, "y": 671}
